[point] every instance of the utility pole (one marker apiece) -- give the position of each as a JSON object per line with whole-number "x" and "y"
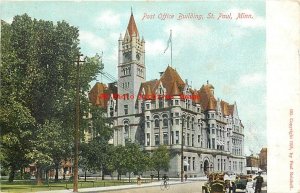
{"x": 182, "y": 171}
{"x": 77, "y": 118}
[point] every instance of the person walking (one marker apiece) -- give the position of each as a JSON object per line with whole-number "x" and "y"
{"x": 233, "y": 187}
{"x": 250, "y": 186}
{"x": 259, "y": 181}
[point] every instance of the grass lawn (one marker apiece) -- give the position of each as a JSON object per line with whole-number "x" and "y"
{"x": 30, "y": 186}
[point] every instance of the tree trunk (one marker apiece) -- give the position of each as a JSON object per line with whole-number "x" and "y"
{"x": 158, "y": 175}
{"x": 102, "y": 174}
{"x": 12, "y": 174}
{"x": 85, "y": 176}
{"x": 39, "y": 174}
{"x": 129, "y": 176}
{"x": 21, "y": 174}
{"x": 56, "y": 172}
{"x": 47, "y": 175}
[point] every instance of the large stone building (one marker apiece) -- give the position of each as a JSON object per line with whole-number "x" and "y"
{"x": 155, "y": 112}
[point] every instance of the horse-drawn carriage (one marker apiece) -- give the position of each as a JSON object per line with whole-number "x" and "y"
{"x": 217, "y": 184}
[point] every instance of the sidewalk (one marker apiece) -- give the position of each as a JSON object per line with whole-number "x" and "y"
{"x": 121, "y": 187}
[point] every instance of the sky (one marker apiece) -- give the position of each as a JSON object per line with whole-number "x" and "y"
{"x": 229, "y": 53}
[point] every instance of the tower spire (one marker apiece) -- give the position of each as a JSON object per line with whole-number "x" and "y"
{"x": 131, "y": 11}
{"x": 132, "y": 28}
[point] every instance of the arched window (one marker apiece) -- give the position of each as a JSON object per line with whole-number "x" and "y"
{"x": 156, "y": 121}
{"x": 165, "y": 121}
{"x": 188, "y": 122}
{"x": 126, "y": 130}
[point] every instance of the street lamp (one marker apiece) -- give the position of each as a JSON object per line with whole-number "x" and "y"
{"x": 77, "y": 118}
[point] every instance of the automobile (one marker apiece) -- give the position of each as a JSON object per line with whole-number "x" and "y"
{"x": 217, "y": 184}
{"x": 241, "y": 182}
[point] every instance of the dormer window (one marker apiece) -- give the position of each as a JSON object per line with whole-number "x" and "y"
{"x": 160, "y": 103}
{"x": 161, "y": 90}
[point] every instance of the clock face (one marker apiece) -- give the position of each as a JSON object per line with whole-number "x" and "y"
{"x": 127, "y": 55}
{"x": 138, "y": 57}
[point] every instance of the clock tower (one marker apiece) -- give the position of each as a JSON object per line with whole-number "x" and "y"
{"x": 131, "y": 68}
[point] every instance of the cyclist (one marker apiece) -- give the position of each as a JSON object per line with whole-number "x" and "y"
{"x": 165, "y": 178}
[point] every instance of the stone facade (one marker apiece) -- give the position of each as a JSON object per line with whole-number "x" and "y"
{"x": 158, "y": 112}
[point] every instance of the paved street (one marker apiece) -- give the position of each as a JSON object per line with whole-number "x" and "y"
{"x": 178, "y": 187}
{"x": 175, "y": 187}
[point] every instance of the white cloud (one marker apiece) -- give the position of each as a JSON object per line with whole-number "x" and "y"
{"x": 252, "y": 79}
{"x": 108, "y": 18}
{"x": 187, "y": 29}
{"x": 155, "y": 47}
{"x": 93, "y": 41}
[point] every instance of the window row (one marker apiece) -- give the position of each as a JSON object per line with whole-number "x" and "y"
{"x": 174, "y": 139}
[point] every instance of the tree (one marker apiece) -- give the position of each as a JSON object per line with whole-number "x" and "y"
{"x": 97, "y": 153}
{"x": 129, "y": 158}
{"x": 160, "y": 159}
{"x": 119, "y": 160}
{"x": 38, "y": 76}
{"x": 16, "y": 129}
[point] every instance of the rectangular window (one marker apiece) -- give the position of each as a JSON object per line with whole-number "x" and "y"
{"x": 176, "y": 114}
{"x": 213, "y": 143}
{"x": 147, "y": 106}
{"x": 148, "y": 139}
{"x": 126, "y": 109}
{"x": 213, "y": 131}
{"x": 165, "y": 138}
{"x": 172, "y": 137}
{"x": 148, "y": 124}
{"x": 156, "y": 139}
{"x": 177, "y": 137}
{"x": 176, "y": 102}
{"x": 193, "y": 163}
{"x": 227, "y": 145}
{"x": 188, "y": 139}
{"x": 176, "y": 121}
{"x": 147, "y": 118}
{"x": 189, "y": 163}
{"x": 192, "y": 140}
{"x": 199, "y": 138}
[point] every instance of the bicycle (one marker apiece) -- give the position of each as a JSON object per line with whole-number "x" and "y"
{"x": 165, "y": 185}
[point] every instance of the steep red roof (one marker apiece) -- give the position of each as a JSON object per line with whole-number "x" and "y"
{"x": 132, "y": 29}
{"x": 175, "y": 91}
{"x": 168, "y": 78}
{"x": 230, "y": 109}
{"x": 149, "y": 87}
{"x": 100, "y": 93}
{"x": 207, "y": 99}
{"x": 225, "y": 108}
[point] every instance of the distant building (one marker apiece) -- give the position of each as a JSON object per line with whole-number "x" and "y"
{"x": 155, "y": 112}
{"x": 252, "y": 164}
{"x": 263, "y": 159}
